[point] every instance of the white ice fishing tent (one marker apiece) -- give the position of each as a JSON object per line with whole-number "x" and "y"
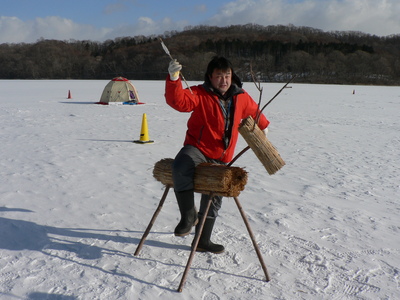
{"x": 119, "y": 91}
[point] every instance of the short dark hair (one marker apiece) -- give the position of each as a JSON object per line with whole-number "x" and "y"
{"x": 221, "y": 63}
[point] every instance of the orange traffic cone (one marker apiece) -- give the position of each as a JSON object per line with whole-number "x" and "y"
{"x": 69, "y": 94}
{"x": 144, "y": 133}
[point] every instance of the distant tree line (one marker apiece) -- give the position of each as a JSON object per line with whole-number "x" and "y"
{"x": 273, "y": 53}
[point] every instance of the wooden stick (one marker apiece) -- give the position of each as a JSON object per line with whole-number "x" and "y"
{"x": 246, "y": 222}
{"x": 259, "y": 88}
{"x": 195, "y": 243}
{"x": 170, "y": 56}
{"x": 276, "y": 95}
{"x": 153, "y": 219}
{"x": 238, "y": 155}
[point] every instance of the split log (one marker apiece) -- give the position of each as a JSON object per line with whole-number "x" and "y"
{"x": 219, "y": 179}
{"x": 261, "y": 146}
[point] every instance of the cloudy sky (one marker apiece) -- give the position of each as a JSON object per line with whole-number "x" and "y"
{"x": 99, "y": 20}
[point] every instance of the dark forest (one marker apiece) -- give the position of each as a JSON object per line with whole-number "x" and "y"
{"x": 272, "y": 53}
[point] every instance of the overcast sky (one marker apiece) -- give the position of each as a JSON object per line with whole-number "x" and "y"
{"x": 99, "y": 20}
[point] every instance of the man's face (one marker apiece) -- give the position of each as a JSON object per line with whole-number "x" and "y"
{"x": 221, "y": 80}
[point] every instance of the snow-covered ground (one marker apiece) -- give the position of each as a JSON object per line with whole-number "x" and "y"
{"x": 76, "y": 196}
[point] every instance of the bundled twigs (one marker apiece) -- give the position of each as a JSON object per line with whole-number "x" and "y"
{"x": 261, "y": 146}
{"x": 170, "y": 56}
{"x": 219, "y": 179}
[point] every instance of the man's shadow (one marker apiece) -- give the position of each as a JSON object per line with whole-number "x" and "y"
{"x": 44, "y": 296}
{"x": 25, "y": 235}
{"x": 18, "y": 235}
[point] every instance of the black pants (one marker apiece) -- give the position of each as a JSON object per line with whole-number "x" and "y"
{"x": 183, "y": 176}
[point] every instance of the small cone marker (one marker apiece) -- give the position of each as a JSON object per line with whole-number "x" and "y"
{"x": 144, "y": 133}
{"x": 69, "y": 94}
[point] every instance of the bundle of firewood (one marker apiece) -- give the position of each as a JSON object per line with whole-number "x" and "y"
{"x": 261, "y": 146}
{"x": 218, "y": 179}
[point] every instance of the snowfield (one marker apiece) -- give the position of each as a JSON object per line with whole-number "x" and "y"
{"x": 76, "y": 196}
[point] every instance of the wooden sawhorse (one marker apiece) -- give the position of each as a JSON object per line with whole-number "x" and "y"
{"x": 167, "y": 181}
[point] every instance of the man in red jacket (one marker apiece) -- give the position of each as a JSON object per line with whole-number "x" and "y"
{"x": 217, "y": 107}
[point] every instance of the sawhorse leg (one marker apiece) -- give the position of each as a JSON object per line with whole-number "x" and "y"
{"x": 195, "y": 243}
{"x": 198, "y": 234}
{"x": 196, "y": 239}
{"x": 153, "y": 219}
{"x": 246, "y": 222}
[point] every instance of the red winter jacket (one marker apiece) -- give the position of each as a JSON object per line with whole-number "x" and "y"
{"x": 206, "y": 123}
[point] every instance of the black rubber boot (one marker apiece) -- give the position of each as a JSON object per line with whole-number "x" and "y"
{"x": 205, "y": 245}
{"x": 188, "y": 212}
